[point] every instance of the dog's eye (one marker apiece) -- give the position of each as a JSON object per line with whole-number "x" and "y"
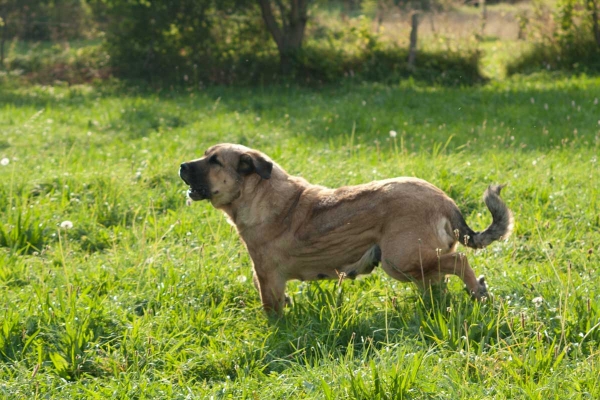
{"x": 214, "y": 160}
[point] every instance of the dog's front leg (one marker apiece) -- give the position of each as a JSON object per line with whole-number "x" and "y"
{"x": 271, "y": 287}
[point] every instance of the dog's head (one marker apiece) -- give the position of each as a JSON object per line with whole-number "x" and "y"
{"x": 221, "y": 174}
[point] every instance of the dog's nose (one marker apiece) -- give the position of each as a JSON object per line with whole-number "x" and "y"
{"x": 184, "y": 169}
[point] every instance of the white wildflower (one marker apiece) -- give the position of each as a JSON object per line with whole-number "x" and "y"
{"x": 5, "y": 161}
{"x": 66, "y": 224}
{"x": 393, "y": 134}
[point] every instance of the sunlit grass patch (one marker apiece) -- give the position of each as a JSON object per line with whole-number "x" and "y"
{"x": 112, "y": 284}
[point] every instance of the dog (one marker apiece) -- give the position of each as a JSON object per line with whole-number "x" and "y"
{"x": 296, "y": 230}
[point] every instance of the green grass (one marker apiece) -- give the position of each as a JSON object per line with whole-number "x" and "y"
{"x": 144, "y": 297}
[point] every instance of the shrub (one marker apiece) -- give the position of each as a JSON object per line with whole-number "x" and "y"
{"x": 354, "y": 51}
{"x": 186, "y": 41}
{"x": 565, "y": 39}
{"x": 43, "y": 63}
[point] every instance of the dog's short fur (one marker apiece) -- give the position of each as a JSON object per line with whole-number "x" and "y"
{"x": 295, "y": 230}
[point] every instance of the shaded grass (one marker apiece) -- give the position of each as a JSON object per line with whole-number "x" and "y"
{"x": 145, "y": 297}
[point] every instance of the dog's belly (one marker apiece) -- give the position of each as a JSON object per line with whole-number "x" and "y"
{"x": 348, "y": 263}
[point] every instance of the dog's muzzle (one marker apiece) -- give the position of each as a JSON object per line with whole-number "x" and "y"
{"x": 197, "y": 191}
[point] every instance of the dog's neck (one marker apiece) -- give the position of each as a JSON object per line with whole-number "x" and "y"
{"x": 255, "y": 207}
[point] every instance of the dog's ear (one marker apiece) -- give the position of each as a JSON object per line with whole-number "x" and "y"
{"x": 251, "y": 162}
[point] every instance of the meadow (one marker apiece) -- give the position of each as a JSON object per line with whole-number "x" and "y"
{"x": 114, "y": 288}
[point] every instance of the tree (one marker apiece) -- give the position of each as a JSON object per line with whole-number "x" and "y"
{"x": 287, "y": 29}
{"x": 592, "y": 7}
{"x": 3, "y": 33}
{"x": 412, "y": 49}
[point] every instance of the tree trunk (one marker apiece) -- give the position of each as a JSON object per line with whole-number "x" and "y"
{"x": 412, "y": 50}
{"x": 2, "y": 38}
{"x": 593, "y": 8}
{"x": 523, "y": 21}
{"x": 432, "y": 22}
{"x": 483, "y": 19}
{"x": 288, "y": 35}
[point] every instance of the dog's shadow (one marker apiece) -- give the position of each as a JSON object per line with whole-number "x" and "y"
{"x": 325, "y": 322}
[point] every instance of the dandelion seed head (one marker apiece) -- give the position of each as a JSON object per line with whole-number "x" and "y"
{"x": 6, "y": 161}
{"x": 66, "y": 224}
{"x": 393, "y": 134}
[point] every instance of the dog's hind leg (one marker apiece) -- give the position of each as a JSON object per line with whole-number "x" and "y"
{"x": 457, "y": 264}
{"x": 425, "y": 266}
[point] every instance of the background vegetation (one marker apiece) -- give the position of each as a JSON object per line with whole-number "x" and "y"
{"x": 205, "y": 42}
{"x": 113, "y": 287}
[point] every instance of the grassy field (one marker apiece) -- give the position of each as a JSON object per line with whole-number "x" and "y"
{"x": 114, "y": 288}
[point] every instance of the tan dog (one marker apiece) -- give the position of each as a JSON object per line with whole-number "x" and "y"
{"x": 295, "y": 230}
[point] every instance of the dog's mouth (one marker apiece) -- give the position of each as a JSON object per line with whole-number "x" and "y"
{"x": 198, "y": 190}
{"x": 198, "y": 194}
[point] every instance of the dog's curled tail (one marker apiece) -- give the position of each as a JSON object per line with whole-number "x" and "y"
{"x": 500, "y": 228}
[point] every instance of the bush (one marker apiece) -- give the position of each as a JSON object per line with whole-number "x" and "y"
{"x": 210, "y": 44}
{"x": 46, "y": 19}
{"x": 354, "y": 51}
{"x": 186, "y": 41}
{"x": 46, "y": 63}
{"x": 564, "y": 39}
{"x": 204, "y": 42}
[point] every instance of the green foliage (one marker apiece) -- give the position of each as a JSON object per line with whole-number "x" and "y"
{"x": 45, "y": 62}
{"x": 354, "y": 52}
{"x": 186, "y": 42}
{"x": 213, "y": 43}
{"x": 564, "y": 40}
{"x": 46, "y": 19}
{"x": 21, "y": 232}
